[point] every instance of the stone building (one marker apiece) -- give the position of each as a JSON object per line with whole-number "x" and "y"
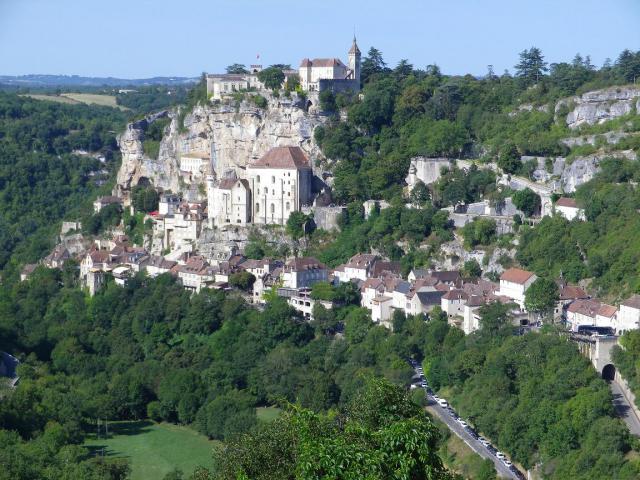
{"x": 280, "y": 183}
{"x": 195, "y": 164}
{"x": 276, "y": 185}
{"x": 220, "y": 84}
{"x": 330, "y": 73}
{"x": 230, "y": 201}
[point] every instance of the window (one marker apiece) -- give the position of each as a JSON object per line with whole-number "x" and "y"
{"x": 258, "y": 179}
{"x": 266, "y": 190}
{"x": 288, "y": 206}
{"x": 273, "y": 179}
{"x": 257, "y": 207}
{"x": 273, "y": 208}
{"x": 273, "y": 192}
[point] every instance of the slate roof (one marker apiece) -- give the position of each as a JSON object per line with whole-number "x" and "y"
{"x": 322, "y": 62}
{"x": 304, "y": 263}
{"x": 430, "y": 298}
{"x": 283, "y": 157}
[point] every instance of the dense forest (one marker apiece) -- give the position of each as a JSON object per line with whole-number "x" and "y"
{"x": 42, "y": 180}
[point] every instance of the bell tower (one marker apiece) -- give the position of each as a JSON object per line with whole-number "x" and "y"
{"x": 354, "y": 60}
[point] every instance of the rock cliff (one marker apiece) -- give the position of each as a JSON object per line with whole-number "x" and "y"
{"x": 599, "y": 106}
{"x": 231, "y": 135}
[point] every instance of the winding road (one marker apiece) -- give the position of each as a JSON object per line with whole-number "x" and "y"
{"x": 623, "y": 408}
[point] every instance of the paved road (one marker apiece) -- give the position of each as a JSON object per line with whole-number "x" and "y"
{"x": 623, "y": 408}
{"x": 444, "y": 415}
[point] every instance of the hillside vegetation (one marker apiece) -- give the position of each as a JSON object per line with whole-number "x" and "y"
{"x": 41, "y": 180}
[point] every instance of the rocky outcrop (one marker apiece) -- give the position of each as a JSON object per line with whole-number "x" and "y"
{"x": 609, "y": 138}
{"x": 600, "y": 105}
{"x": 232, "y": 135}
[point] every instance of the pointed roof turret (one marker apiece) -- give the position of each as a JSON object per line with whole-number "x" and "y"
{"x": 354, "y": 47}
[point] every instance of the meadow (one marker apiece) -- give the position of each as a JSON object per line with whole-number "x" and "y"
{"x": 153, "y": 449}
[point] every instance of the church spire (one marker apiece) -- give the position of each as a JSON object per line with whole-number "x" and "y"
{"x": 354, "y": 47}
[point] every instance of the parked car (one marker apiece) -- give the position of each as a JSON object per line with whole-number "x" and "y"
{"x": 462, "y": 423}
{"x": 442, "y": 402}
{"x": 500, "y": 455}
{"x": 507, "y": 463}
{"x": 484, "y": 441}
{"x": 424, "y": 384}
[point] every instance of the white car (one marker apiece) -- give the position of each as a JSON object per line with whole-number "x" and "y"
{"x": 484, "y": 441}
{"x": 462, "y": 423}
{"x": 442, "y": 402}
{"x": 507, "y": 463}
{"x": 501, "y": 456}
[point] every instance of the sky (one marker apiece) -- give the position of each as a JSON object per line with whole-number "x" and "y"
{"x": 146, "y": 38}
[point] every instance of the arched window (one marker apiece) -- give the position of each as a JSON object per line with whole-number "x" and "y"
{"x": 288, "y": 206}
{"x": 273, "y": 208}
{"x": 257, "y": 207}
{"x": 273, "y": 179}
{"x": 266, "y": 190}
{"x": 258, "y": 179}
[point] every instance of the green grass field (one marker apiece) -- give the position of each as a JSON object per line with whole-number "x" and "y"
{"x": 154, "y": 449}
{"x": 75, "y": 98}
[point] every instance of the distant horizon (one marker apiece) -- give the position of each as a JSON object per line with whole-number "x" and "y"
{"x": 145, "y": 39}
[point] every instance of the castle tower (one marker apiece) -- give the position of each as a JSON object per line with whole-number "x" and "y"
{"x": 354, "y": 60}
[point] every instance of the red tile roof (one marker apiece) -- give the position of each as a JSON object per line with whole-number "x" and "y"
{"x": 283, "y": 157}
{"x": 516, "y": 275}
{"x": 566, "y": 202}
{"x": 572, "y": 292}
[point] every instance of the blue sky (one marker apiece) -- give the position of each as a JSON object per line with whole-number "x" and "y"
{"x": 144, "y": 38}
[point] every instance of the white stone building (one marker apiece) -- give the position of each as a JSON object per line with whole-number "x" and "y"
{"x": 221, "y": 84}
{"x": 568, "y": 208}
{"x": 359, "y": 267}
{"x": 514, "y": 282}
{"x": 229, "y": 201}
{"x": 155, "y": 265}
{"x": 591, "y": 313}
{"x": 628, "y": 315}
{"x": 196, "y": 164}
{"x": 320, "y": 73}
{"x": 280, "y": 183}
{"x": 303, "y": 272}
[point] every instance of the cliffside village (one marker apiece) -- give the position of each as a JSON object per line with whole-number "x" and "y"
{"x": 280, "y": 183}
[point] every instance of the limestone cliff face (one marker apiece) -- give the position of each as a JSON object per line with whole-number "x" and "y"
{"x": 231, "y": 135}
{"x": 600, "y": 105}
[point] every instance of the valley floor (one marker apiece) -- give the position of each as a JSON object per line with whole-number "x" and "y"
{"x": 154, "y": 449}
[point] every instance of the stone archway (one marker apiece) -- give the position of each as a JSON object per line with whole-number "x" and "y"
{"x": 609, "y": 372}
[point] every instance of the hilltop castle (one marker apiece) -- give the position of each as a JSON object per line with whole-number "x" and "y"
{"x": 315, "y": 76}
{"x": 330, "y": 73}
